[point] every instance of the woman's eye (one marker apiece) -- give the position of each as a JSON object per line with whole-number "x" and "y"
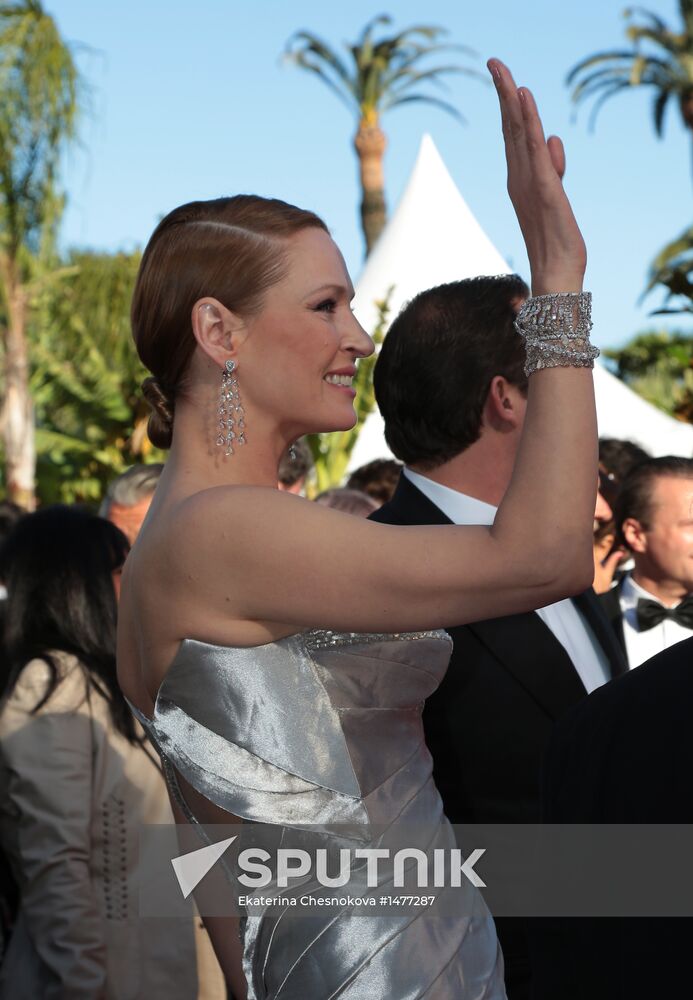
{"x": 328, "y": 305}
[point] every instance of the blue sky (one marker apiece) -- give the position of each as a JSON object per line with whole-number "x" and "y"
{"x": 192, "y": 101}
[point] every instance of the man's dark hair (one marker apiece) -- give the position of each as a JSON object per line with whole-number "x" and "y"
{"x": 620, "y": 456}
{"x": 378, "y": 478}
{"x": 58, "y": 564}
{"x": 10, "y": 513}
{"x": 616, "y": 459}
{"x": 292, "y": 470}
{"x": 437, "y": 362}
{"x": 635, "y": 498}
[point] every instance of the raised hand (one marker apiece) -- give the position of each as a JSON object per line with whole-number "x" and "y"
{"x": 555, "y": 247}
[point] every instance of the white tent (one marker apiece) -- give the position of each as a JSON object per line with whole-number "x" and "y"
{"x": 432, "y": 238}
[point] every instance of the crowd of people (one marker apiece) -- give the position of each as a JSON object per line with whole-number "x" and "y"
{"x": 207, "y": 650}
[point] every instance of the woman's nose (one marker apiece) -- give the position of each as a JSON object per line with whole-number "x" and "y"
{"x": 359, "y": 343}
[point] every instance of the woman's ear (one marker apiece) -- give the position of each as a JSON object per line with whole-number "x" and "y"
{"x": 217, "y": 330}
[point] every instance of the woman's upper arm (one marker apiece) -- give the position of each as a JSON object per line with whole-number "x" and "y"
{"x": 257, "y": 554}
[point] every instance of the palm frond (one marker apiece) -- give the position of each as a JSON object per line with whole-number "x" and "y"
{"x": 607, "y": 94}
{"x": 379, "y": 19}
{"x": 300, "y": 59}
{"x": 409, "y": 77}
{"x": 436, "y": 101}
{"x": 664, "y": 38}
{"x": 599, "y": 57}
{"x": 658, "y": 108}
{"x": 377, "y": 65}
{"x": 659, "y": 58}
{"x": 686, "y": 8}
{"x": 303, "y": 42}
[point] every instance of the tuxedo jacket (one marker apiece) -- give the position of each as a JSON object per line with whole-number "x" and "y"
{"x": 611, "y": 605}
{"x": 624, "y": 755}
{"x": 488, "y": 724}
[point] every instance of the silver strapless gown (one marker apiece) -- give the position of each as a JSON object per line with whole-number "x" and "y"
{"x": 323, "y": 729}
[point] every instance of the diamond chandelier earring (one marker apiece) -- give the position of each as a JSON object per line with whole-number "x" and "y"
{"x": 231, "y": 412}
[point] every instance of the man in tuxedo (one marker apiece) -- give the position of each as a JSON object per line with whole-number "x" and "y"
{"x": 295, "y": 466}
{"x": 450, "y": 385}
{"x": 623, "y": 755}
{"x": 652, "y": 606}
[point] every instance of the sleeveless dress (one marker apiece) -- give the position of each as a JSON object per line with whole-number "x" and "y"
{"x": 323, "y": 729}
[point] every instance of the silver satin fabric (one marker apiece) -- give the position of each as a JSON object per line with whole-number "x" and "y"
{"x": 324, "y": 729}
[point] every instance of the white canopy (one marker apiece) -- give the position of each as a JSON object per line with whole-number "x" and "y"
{"x": 433, "y": 238}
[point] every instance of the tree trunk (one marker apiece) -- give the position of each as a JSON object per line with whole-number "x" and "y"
{"x": 18, "y": 409}
{"x": 370, "y": 143}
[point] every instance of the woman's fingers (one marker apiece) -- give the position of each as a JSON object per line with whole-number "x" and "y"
{"x": 557, "y": 153}
{"x": 511, "y": 110}
{"x": 554, "y": 243}
{"x": 533, "y": 129}
{"x": 522, "y": 127}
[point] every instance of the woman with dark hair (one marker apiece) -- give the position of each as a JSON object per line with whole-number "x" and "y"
{"x": 278, "y": 652}
{"x": 77, "y": 778}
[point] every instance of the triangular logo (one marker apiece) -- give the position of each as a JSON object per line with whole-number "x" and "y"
{"x": 191, "y": 868}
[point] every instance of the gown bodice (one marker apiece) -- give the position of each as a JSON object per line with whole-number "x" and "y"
{"x": 323, "y": 729}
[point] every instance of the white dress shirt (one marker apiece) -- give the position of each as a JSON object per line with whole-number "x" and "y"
{"x": 640, "y": 646}
{"x": 563, "y": 618}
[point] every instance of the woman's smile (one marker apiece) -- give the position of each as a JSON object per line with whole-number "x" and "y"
{"x": 342, "y": 379}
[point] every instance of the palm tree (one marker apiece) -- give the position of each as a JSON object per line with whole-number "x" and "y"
{"x": 673, "y": 268}
{"x": 659, "y": 58}
{"x": 376, "y": 76}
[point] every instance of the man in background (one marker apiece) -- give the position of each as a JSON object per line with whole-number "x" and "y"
{"x": 295, "y": 466}
{"x": 616, "y": 459}
{"x": 128, "y": 498}
{"x": 622, "y": 756}
{"x": 652, "y": 606}
{"x": 378, "y": 479}
{"x": 450, "y": 385}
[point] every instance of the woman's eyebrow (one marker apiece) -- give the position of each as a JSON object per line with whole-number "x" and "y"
{"x": 333, "y": 287}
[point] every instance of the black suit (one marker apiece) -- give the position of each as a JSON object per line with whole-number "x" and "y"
{"x": 624, "y": 755}
{"x": 488, "y": 724}
{"x": 611, "y": 605}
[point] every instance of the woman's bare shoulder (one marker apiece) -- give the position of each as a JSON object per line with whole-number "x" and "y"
{"x": 207, "y": 523}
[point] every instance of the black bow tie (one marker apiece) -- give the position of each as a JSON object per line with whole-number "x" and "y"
{"x": 651, "y": 613}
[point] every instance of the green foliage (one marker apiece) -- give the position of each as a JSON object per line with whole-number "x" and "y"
{"x": 38, "y": 111}
{"x": 383, "y": 73}
{"x": 658, "y": 365}
{"x": 91, "y": 417}
{"x": 39, "y": 105}
{"x": 331, "y": 452}
{"x": 673, "y": 268}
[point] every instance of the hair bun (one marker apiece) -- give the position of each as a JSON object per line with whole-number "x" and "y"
{"x": 160, "y": 427}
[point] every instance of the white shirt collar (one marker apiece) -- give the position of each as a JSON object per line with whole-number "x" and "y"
{"x": 460, "y": 508}
{"x": 563, "y": 618}
{"x": 632, "y": 592}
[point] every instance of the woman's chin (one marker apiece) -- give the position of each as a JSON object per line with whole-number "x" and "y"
{"x": 333, "y": 424}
